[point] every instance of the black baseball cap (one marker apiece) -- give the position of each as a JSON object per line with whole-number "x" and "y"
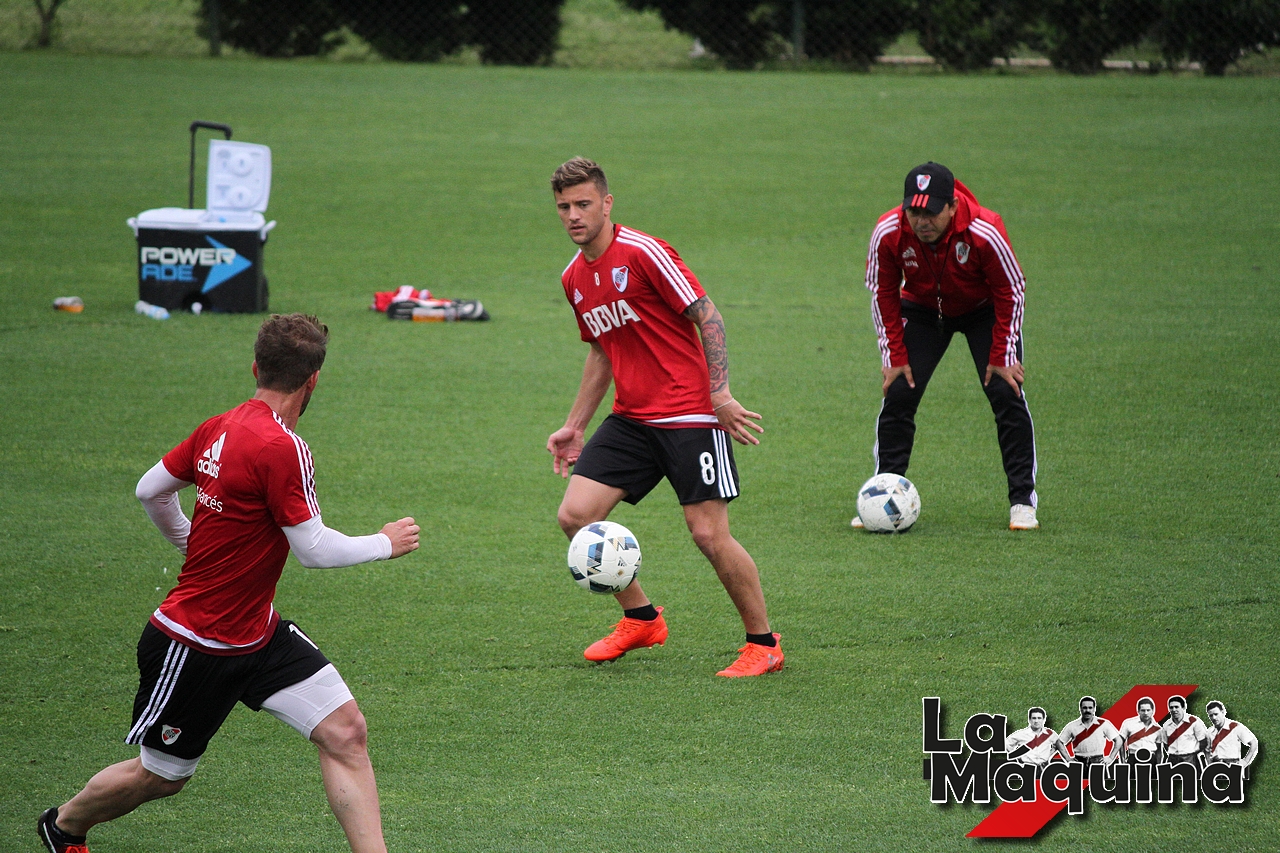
{"x": 931, "y": 186}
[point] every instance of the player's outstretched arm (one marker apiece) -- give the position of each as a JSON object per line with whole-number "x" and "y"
{"x": 565, "y": 444}
{"x": 319, "y": 547}
{"x": 736, "y": 420}
{"x": 158, "y": 492}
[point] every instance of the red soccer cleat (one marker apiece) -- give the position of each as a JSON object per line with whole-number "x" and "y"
{"x": 756, "y": 659}
{"x": 627, "y": 635}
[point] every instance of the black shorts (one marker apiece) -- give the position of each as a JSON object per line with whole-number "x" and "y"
{"x": 184, "y": 695}
{"x": 634, "y": 457}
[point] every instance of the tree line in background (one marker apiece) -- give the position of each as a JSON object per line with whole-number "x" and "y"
{"x": 505, "y": 32}
{"x": 1076, "y": 35}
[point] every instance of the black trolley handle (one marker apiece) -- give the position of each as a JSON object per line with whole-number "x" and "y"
{"x": 191, "y": 173}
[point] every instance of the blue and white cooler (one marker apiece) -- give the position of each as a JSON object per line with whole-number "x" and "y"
{"x": 213, "y": 256}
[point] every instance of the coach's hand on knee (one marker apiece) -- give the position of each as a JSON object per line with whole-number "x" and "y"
{"x": 892, "y": 373}
{"x": 403, "y": 535}
{"x": 1012, "y": 374}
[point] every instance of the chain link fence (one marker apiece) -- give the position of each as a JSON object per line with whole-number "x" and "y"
{"x": 1077, "y": 36}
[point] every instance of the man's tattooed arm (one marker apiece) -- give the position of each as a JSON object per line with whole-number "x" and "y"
{"x": 703, "y": 312}
{"x": 737, "y": 421}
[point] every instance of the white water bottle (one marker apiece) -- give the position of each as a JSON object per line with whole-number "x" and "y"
{"x": 155, "y": 312}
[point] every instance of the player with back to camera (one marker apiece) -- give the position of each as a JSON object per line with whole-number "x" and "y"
{"x": 216, "y": 638}
{"x": 939, "y": 264}
{"x": 655, "y": 335}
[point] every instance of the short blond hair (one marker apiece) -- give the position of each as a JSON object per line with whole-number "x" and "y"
{"x": 579, "y": 170}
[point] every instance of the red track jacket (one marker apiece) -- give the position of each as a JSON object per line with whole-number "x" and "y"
{"x": 971, "y": 265}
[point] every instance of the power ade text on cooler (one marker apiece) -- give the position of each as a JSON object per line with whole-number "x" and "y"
{"x": 171, "y": 263}
{"x": 602, "y": 318}
{"x": 178, "y": 264}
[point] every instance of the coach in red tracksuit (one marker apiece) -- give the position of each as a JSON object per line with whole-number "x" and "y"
{"x": 939, "y": 264}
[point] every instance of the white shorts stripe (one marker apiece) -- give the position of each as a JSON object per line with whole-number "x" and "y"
{"x": 722, "y": 480}
{"x": 175, "y": 656}
{"x": 728, "y": 488}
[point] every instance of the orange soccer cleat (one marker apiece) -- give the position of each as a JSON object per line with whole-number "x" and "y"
{"x": 756, "y": 659}
{"x": 627, "y": 635}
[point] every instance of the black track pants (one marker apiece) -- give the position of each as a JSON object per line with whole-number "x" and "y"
{"x": 926, "y": 344}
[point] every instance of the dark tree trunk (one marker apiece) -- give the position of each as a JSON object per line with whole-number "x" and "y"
{"x": 45, "y": 38}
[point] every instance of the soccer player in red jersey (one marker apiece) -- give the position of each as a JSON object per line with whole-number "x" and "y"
{"x": 216, "y": 639}
{"x": 656, "y": 336}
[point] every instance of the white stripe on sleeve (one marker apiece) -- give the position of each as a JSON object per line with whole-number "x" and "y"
{"x": 1013, "y": 272}
{"x": 661, "y": 260}
{"x": 882, "y": 230}
{"x": 304, "y": 465}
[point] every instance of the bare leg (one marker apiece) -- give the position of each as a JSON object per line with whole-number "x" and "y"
{"x": 112, "y": 792}
{"x": 586, "y": 501}
{"x": 342, "y": 739}
{"x": 709, "y": 523}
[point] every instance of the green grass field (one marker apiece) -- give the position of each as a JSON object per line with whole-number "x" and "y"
{"x": 1144, "y": 211}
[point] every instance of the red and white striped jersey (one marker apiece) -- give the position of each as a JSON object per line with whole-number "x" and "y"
{"x": 1184, "y": 737}
{"x": 1088, "y": 739}
{"x": 253, "y": 476}
{"x": 1039, "y": 745}
{"x": 1227, "y": 742}
{"x": 1139, "y": 735}
{"x": 631, "y": 301}
{"x": 971, "y": 265}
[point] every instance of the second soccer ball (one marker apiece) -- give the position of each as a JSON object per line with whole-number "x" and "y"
{"x": 604, "y": 557}
{"x": 888, "y": 503}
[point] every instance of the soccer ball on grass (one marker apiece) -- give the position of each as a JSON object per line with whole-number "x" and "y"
{"x": 604, "y": 557}
{"x": 888, "y": 503}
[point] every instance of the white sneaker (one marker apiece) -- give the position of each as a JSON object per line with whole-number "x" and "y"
{"x": 1022, "y": 517}
{"x": 856, "y": 524}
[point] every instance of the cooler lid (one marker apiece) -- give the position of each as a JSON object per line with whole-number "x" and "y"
{"x": 184, "y": 219}
{"x": 239, "y": 177}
